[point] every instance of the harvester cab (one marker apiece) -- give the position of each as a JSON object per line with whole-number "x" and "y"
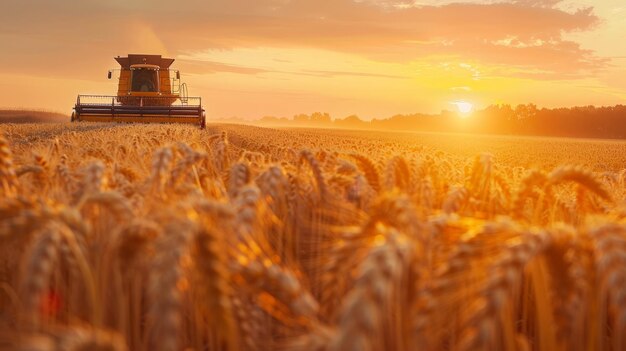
{"x": 148, "y": 92}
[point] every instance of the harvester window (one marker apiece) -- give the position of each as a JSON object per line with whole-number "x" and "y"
{"x": 144, "y": 80}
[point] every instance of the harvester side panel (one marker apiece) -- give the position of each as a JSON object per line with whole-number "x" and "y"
{"x": 123, "y": 86}
{"x": 164, "y": 80}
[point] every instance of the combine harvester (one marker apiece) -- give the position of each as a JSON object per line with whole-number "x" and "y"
{"x": 147, "y": 93}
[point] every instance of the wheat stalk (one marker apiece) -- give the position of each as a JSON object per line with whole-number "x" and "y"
{"x": 8, "y": 178}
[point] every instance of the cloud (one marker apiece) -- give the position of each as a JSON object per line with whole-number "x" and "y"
{"x": 332, "y": 74}
{"x": 208, "y": 67}
{"x": 70, "y": 39}
{"x": 460, "y": 89}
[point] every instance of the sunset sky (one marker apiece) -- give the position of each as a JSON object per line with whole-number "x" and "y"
{"x": 373, "y": 58}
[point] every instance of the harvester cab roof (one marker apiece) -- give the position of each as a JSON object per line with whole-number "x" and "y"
{"x": 147, "y": 92}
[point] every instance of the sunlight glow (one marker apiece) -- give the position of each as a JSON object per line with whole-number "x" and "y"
{"x": 464, "y": 107}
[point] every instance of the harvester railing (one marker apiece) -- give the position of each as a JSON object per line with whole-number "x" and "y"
{"x": 139, "y": 101}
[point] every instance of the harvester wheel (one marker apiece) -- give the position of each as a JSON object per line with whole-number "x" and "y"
{"x": 72, "y": 119}
{"x": 203, "y": 122}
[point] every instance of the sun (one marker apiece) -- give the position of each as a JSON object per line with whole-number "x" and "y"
{"x": 465, "y": 108}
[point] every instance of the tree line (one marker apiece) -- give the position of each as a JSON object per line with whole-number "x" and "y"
{"x": 526, "y": 119}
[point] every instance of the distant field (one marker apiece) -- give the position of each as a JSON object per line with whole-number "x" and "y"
{"x": 25, "y": 116}
{"x": 517, "y": 151}
{"x": 525, "y": 152}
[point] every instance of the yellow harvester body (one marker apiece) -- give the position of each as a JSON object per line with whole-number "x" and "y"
{"x": 147, "y": 92}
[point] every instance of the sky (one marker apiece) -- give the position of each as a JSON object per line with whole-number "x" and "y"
{"x": 372, "y": 58}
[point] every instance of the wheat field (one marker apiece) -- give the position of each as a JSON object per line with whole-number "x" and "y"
{"x": 160, "y": 237}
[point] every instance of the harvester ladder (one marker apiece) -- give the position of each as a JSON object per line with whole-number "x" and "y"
{"x": 184, "y": 96}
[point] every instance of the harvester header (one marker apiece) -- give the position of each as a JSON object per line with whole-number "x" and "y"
{"x": 148, "y": 92}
